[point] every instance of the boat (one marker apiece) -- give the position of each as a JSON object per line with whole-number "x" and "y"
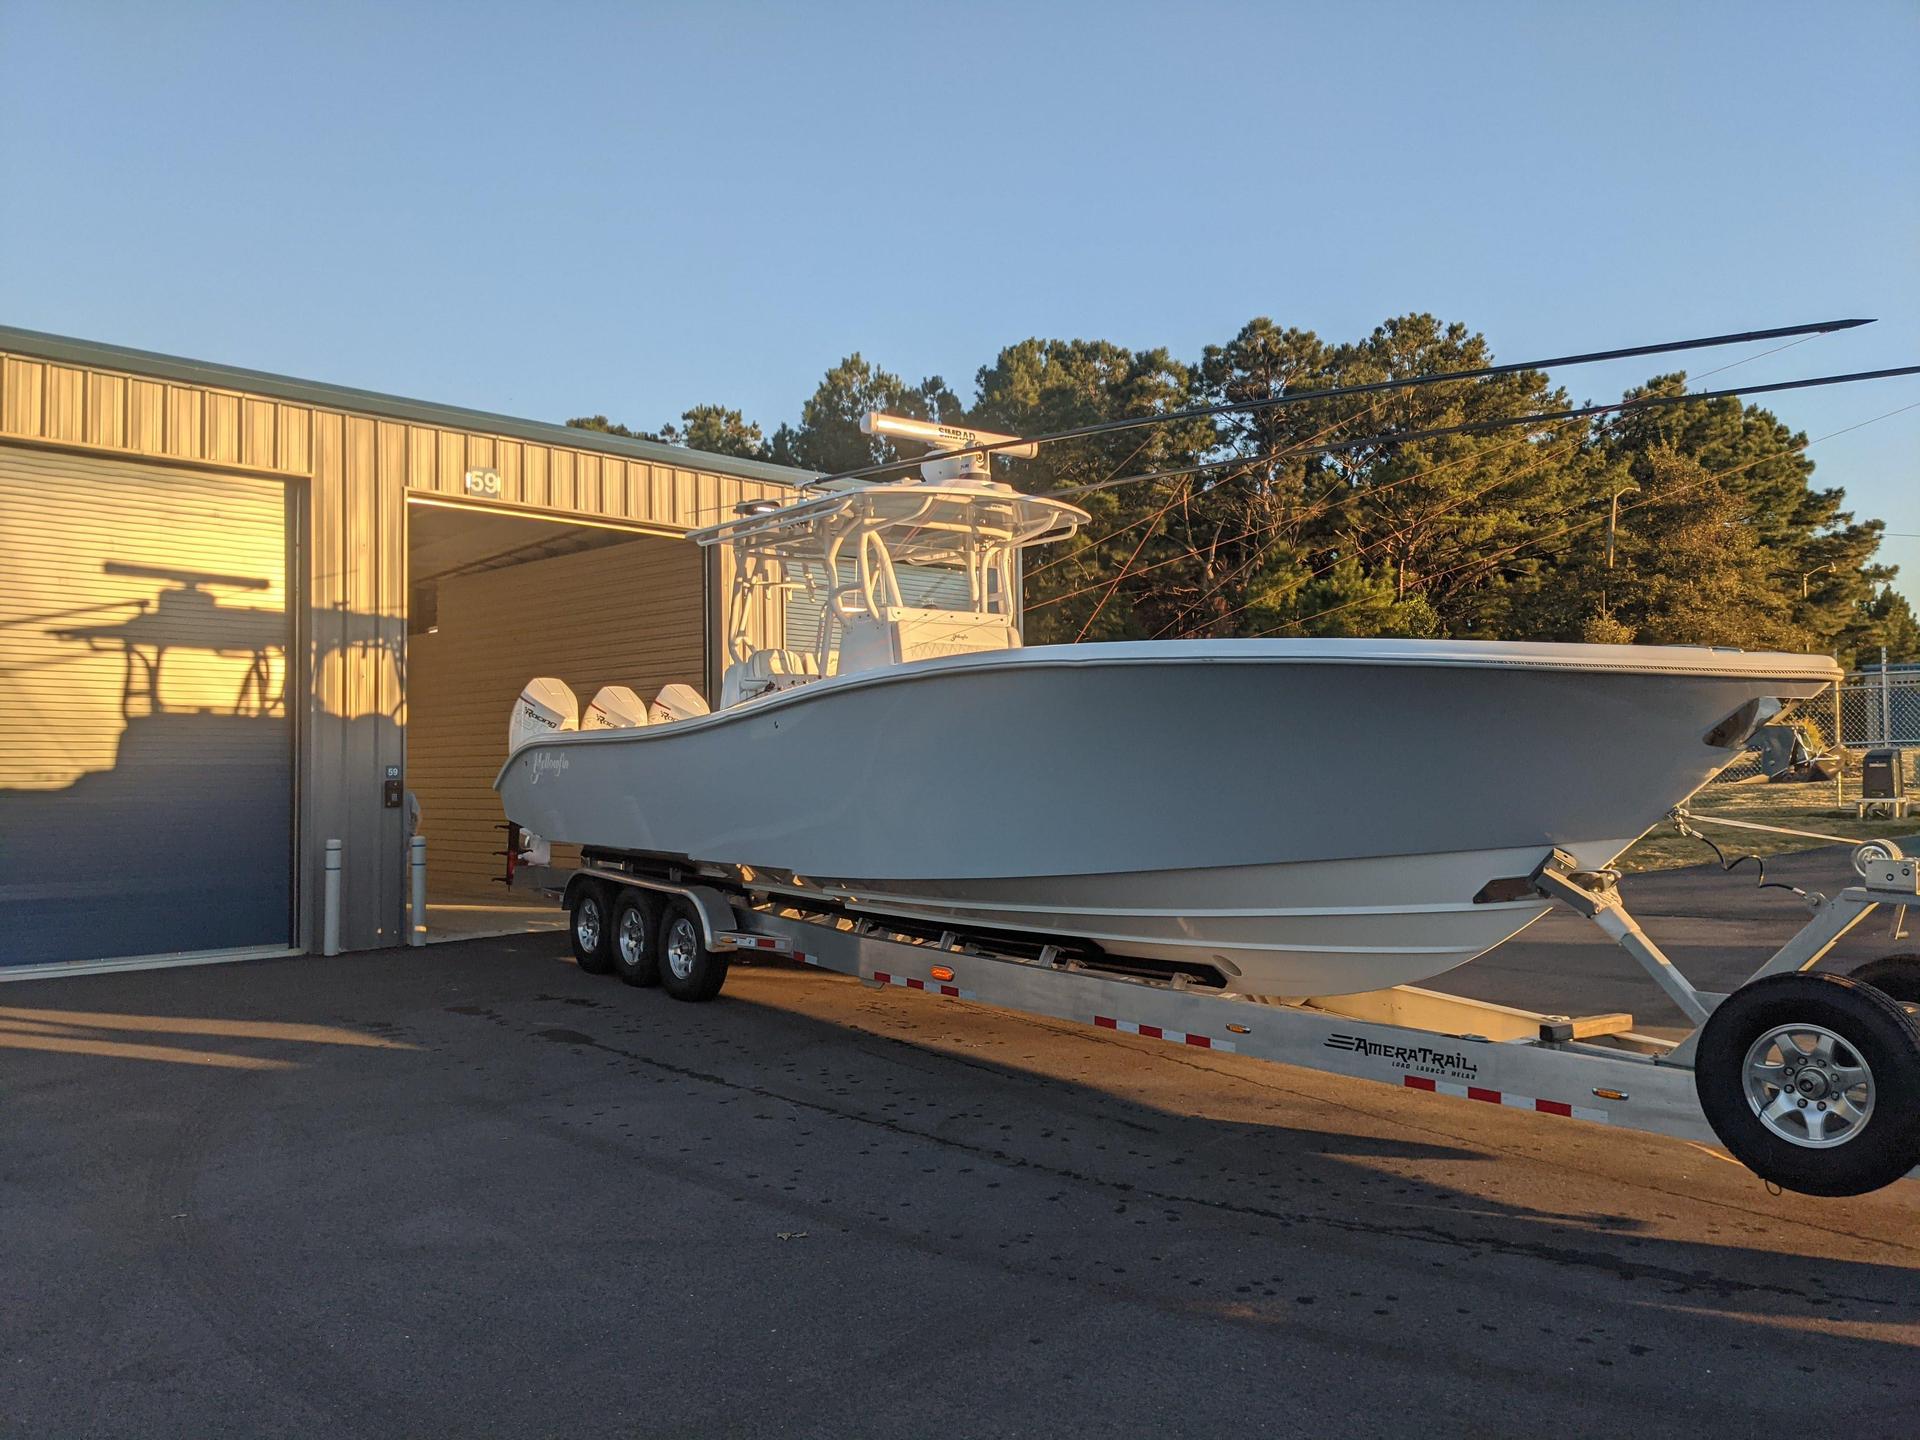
{"x": 1270, "y": 817}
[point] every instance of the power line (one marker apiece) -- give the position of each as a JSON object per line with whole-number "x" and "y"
{"x": 1302, "y": 517}
{"x": 1299, "y": 451}
{"x": 1301, "y": 397}
{"x": 1661, "y": 498}
{"x": 1179, "y": 495}
{"x": 1545, "y": 417}
{"x": 1244, "y": 464}
{"x": 1448, "y": 508}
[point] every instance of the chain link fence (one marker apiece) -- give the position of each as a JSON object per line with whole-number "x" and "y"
{"x": 1869, "y": 710}
{"x": 1879, "y": 708}
{"x": 1802, "y": 771}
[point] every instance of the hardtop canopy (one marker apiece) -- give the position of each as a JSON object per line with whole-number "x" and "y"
{"x": 920, "y": 523}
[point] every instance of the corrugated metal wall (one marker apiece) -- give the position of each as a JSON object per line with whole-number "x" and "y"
{"x": 498, "y": 629}
{"x": 350, "y": 628}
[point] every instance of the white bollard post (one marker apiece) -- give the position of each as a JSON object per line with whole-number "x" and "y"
{"x": 330, "y": 903}
{"x": 417, "y": 866}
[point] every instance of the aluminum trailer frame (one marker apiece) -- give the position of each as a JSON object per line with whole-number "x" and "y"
{"x": 1592, "y": 1068}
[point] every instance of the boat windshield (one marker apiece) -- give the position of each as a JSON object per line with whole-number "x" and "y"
{"x": 861, "y": 579}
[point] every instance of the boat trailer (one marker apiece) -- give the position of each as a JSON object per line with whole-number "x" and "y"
{"x": 1809, "y": 1078}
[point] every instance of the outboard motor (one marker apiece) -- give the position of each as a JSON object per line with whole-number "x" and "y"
{"x": 546, "y": 705}
{"x": 615, "y": 707}
{"x": 676, "y": 702}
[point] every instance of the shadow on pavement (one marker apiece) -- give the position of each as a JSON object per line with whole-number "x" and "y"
{"x": 483, "y": 1166}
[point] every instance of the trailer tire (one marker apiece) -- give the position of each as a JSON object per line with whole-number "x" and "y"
{"x": 1895, "y": 975}
{"x": 688, "y": 969}
{"x": 1861, "y": 1070}
{"x": 636, "y": 924}
{"x": 589, "y": 926}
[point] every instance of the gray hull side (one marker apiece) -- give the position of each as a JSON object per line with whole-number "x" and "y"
{"x": 1089, "y": 768}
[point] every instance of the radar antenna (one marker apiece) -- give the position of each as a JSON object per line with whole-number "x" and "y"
{"x": 960, "y": 458}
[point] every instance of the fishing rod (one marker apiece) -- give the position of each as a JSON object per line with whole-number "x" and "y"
{"x": 1545, "y": 417}
{"x": 1300, "y": 397}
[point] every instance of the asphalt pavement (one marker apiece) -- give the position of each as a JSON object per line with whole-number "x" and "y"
{"x": 470, "y": 1190}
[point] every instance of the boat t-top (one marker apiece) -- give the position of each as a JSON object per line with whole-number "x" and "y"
{"x": 895, "y": 573}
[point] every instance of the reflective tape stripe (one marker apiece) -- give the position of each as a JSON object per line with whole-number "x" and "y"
{"x": 1157, "y": 1032}
{"x": 932, "y": 987}
{"x": 1501, "y": 1097}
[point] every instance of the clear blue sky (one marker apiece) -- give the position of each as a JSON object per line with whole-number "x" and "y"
{"x": 564, "y": 208}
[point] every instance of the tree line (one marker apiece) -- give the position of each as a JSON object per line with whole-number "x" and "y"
{"x": 1690, "y": 524}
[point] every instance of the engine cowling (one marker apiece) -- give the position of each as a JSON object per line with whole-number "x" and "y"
{"x": 546, "y": 705}
{"x": 614, "y": 707}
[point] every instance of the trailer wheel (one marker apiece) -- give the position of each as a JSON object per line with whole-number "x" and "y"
{"x": 1813, "y": 1082}
{"x": 635, "y": 923}
{"x": 688, "y": 970}
{"x": 590, "y": 928}
{"x": 1895, "y": 975}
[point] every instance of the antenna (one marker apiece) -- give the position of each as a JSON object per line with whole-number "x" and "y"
{"x": 964, "y": 452}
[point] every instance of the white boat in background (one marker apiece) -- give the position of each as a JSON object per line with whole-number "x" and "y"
{"x": 1273, "y": 817}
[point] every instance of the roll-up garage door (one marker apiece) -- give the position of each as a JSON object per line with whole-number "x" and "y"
{"x": 146, "y": 749}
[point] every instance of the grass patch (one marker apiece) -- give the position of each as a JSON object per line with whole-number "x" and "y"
{"x": 1800, "y": 807}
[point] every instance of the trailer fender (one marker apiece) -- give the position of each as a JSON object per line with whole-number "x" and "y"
{"x": 715, "y": 911}
{"x": 577, "y": 882}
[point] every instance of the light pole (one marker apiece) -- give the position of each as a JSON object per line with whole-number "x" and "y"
{"x": 1613, "y": 518}
{"x": 1613, "y": 526}
{"x": 1804, "y": 577}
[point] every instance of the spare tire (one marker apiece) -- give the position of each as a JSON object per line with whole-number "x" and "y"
{"x": 1895, "y": 975}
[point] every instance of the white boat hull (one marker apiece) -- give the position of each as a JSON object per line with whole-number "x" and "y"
{"x": 1303, "y": 817}
{"x": 1304, "y": 928}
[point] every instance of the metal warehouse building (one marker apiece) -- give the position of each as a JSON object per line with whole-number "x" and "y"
{"x": 242, "y": 615}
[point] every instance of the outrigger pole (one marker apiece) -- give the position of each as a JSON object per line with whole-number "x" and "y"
{"x": 1301, "y": 397}
{"x": 1471, "y": 427}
